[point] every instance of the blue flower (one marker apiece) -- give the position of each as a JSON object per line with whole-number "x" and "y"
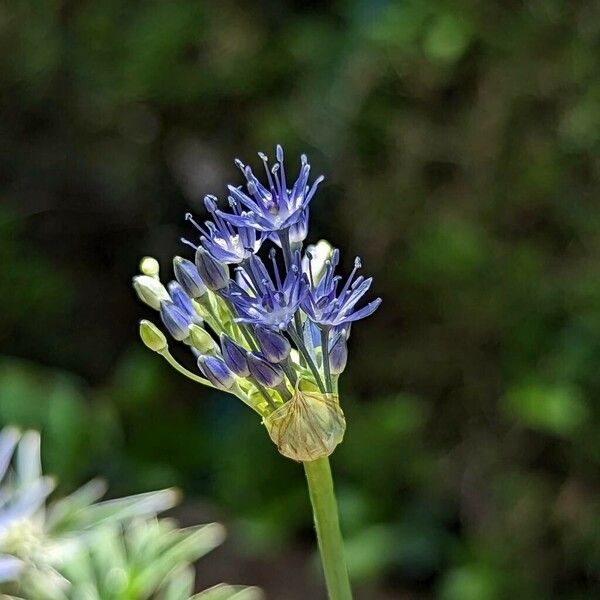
{"x": 297, "y": 232}
{"x": 260, "y": 301}
{"x": 274, "y": 207}
{"x": 226, "y": 242}
{"x": 294, "y": 323}
{"x": 327, "y": 307}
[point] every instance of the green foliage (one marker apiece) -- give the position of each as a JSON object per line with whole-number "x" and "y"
{"x": 561, "y": 410}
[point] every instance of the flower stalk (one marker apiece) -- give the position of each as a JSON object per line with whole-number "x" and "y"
{"x": 329, "y": 536}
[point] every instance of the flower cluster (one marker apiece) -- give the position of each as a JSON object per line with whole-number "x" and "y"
{"x": 264, "y": 329}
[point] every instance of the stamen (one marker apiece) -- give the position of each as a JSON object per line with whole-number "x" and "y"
{"x": 272, "y": 254}
{"x": 310, "y": 271}
{"x": 357, "y": 265}
{"x": 283, "y": 185}
{"x": 246, "y": 278}
{"x": 269, "y": 178}
{"x": 190, "y": 218}
{"x": 188, "y": 243}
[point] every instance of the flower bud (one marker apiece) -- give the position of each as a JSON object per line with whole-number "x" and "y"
{"x": 338, "y": 354}
{"x": 188, "y": 277}
{"x": 315, "y": 257}
{"x": 299, "y": 230}
{"x": 150, "y": 291}
{"x": 182, "y": 300}
{"x": 263, "y": 371}
{"x": 152, "y": 336}
{"x": 149, "y": 266}
{"x": 307, "y": 427}
{"x": 216, "y": 371}
{"x": 235, "y": 356}
{"x": 201, "y": 339}
{"x": 275, "y": 347}
{"x": 176, "y": 320}
{"x": 214, "y": 274}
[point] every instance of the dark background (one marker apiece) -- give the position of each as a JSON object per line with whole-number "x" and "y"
{"x": 460, "y": 141}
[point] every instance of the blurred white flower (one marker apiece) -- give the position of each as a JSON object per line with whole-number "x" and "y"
{"x": 77, "y": 548}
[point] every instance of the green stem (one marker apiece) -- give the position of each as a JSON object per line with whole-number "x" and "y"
{"x": 329, "y": 536}
{"x": 169, "y": 358}
{"x": 325, "y": 352}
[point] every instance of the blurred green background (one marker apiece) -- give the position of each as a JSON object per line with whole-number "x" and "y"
{"x": 461, "y": 145}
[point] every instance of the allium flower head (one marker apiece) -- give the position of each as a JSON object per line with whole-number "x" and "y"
{"x": 281, "y": 326}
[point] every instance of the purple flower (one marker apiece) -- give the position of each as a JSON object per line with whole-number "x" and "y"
{"x": 264, "y": 302}
{"x": 226, "y": 242}
{"x": 329, "y": 308}
{"x": 273, "y": 207}
{"x": 297, "y": 232}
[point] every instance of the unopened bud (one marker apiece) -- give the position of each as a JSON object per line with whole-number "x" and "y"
{"x": 216, "y": 371}
{"x": 182, "y": 300}
{"x": 152, "y": 336}
{"x": 201, "y": 339}
{"x": 149, "y": 266}
{"x": 338, "y": 354}
{"x": 188, "y": 277}
{"x": 266, "y": 373}
{"x": 275, "y": 347}
{"x": 175, "y": 320}
{"x": 150, "y": 291}
{"x": 315, "y": 259}
{"x": 299, "y": 230}
{"x": 235, "y": 356}
{"x": 214, "y": 274}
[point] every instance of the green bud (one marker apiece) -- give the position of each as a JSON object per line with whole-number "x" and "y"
{"x": 152, "y": 336}
{"x": 201, "y": 339}
{"x": 150, "y": 291}
{"x": 149, "y": 266}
